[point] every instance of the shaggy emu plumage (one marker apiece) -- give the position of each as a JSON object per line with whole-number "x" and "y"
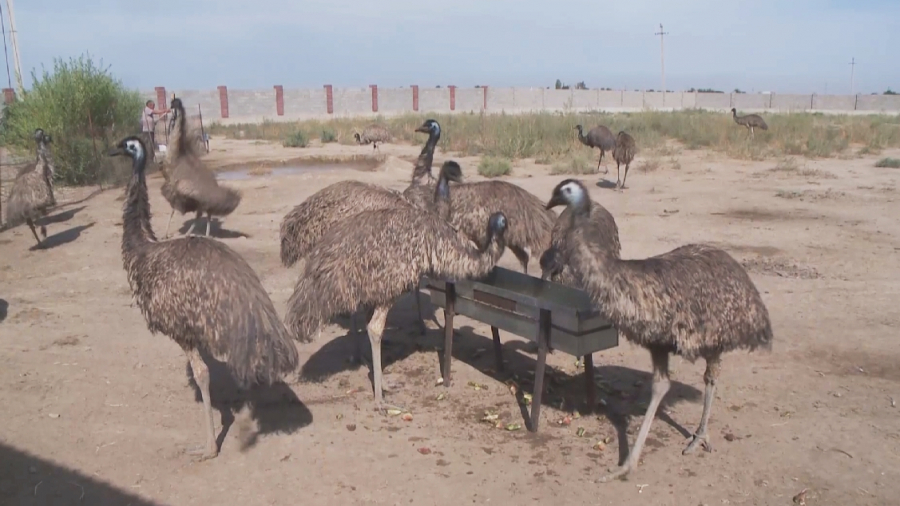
{"x": 31, "y": 195}
{"x": 201, "y": 294}
{"x": 373, "y": 134}
{"x": 190, "y": 186}
{"x": 529, "y": 223}
{"x": 751, "y": 121}
{"x": 695, "y": 301}
{"x": 623, "y": 154}
{"x": 372, "y": 259}
{"x": 598, "y": 137}
{"x": 600, "y": 227}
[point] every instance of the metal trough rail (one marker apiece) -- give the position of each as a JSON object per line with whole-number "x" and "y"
{"x": 541, "y": 311}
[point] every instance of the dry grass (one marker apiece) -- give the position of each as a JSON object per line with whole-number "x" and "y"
{"x": 649, "y": 165}
{"x": 889, "y": 163}
{"x": 576, "y": 163}
{"x": 491, "y": 166}
{"x": 549, "y": 137}
{"x": 790, "y": 166}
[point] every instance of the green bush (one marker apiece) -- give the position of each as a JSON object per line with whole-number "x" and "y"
{"x": 84, "y": 108}
{"x": 328, "y": 135}
{"x": 490, "y": 166}
{"x": 297, "y": 139}
{"x": 889, "y": 163}
{"x": 574, "y": 164}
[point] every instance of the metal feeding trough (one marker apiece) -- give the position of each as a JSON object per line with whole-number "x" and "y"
{"x": 547, "y": 313}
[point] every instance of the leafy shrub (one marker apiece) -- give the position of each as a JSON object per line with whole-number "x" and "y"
{"x": 328, "y": 135}
{"x": 490, "y": 166}
{"x": 890, "y": 163}
{"x": 84, "y": 108}
{"x": 296, "y": 139}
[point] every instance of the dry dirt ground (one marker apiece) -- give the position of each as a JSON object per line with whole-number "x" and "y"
{"x": 96, "y": 410}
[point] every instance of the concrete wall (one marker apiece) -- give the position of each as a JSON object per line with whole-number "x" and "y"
{"x": 279, "y": 104}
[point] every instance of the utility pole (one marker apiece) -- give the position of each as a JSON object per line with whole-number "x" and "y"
{"x": 15, "y": 45}
{"x": 852, "y": 68}
{"x": 662, "y": 56}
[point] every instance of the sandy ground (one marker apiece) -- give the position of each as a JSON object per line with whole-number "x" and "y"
{"x": 96, "y": 410}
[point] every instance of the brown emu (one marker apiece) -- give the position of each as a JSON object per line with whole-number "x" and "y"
{"x": 224, "y": 310}
{"x": 372, "y": 259}
{"x": 31, "y": 195}
{"x": 623, "y": 154}
{"x": 529, "y": 223}
{"x": 190, "y": 186}
{"x": 598, "y": 137}
{"x": 695, "y": 301}
{"x": 750, "y": 121}
{"x": 373, "y": 134}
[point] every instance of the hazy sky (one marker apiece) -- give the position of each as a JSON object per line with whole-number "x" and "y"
{"x": 788, "y": 46}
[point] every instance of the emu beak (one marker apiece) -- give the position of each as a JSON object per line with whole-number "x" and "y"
{"x": 545, "y": 275}
{"x": 555, "y": 200}
{"x": 116, "y": 151}
{"x": 423, "y": 129}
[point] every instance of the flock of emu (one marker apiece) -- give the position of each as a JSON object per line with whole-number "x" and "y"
{"x": 363, "y": 246}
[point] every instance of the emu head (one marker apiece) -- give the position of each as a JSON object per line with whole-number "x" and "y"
{"x": 733, "y": 110}
{"x": 551, "y": 263}
{"x": 451, "y": 171}
{"x": 132, "y": 146}
{"x": 40, "y": 137}
{"x": 497, "y": 225}
{"x": 569, "y": 192}
{"x": 177, "y": 108}
{"x": 579, "y": 128}
{"x": 356, "y": 136}
{"x": 430, "y": 126}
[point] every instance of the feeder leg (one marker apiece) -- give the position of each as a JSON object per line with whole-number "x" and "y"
{"x": 543, "y": 346}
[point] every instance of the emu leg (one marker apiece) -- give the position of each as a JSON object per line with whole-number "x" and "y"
{"x": 194, "y": 223}
{"x": 660, "y": 387}
{"x": 617, "y": 175}
{"x": 208, "y": 223}
{"x": 601, "y": 161}
{"x": 713, "y": 364}
{"x": 376, "y": 329}
{"x": 33, "y": 230}
{"x": 624, "y": 177}
{"x": 201, "y": 376}
{"x": 417, "y": 295}
{"x": 169, "y": 223}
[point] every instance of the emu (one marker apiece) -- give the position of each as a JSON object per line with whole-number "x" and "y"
{"x": 623, "y": 154}
{"x": 224, "y": 310}
{"x": 189, "y": 185}
{"x": 598, "y": 137}
{"x": 373, "y": 134}
{"x": 750, "y": 121}
{"x": 372, "y": 259}
{"x": 695, "y": 301}
{"x": 31, "y": 195}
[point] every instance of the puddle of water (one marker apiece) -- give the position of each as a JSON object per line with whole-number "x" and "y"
{"x": 244, "y": 173}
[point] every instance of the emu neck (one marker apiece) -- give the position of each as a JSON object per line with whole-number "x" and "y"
{"x": 422, "y": 170}
{"x": 467, "y": 261}
{"x": 442, "y": 199}
{"x": 136, "y": 214}
{"x": 179, "y": 132}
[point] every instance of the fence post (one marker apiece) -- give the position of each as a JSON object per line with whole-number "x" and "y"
{"x": 452, "y": 97}
{"x": 374, "y": 97}
{"x": 415, "y": 90}
{"x": 279, "y": 100}
{"x": 329, "y": 99}
{"x": 161, "y": 96}
{"x": 9, "y": 95}
{"x": 223, "y": 101}
{"x": 485, "y": 90}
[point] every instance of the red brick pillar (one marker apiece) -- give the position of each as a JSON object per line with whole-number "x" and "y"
{"x": 484, "y": 89}
{"x": 223, "y": 101}
{"x": 452, "y": 97}
{"x": 161, "y": 97}
{"x": 279, "y": 100}
{"x": 415, "y": 89}
{"x": 374, "y": 97}
{"x": 9, "y": 95}
{"x": 329, "y": 99}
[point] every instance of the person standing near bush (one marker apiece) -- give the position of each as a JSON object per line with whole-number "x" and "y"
{"x": 148, "y": 125}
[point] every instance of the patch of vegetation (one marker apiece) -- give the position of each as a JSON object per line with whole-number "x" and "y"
{"x": 576, "y": 164}
{"x": 296, "y": 139}
{"x": 889, "y": 163}
{"x": 549, "y": 136}
{"x": 491, "y": 166}
{"x": 328, "y": 135}
{"x": 84, "y": 109}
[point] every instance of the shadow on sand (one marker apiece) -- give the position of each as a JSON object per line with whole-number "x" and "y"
{"x": 626, "y": 391}
{"x": 275, "y": 408}
{"x": 60, "y": 238}
{"x": 28, "y": 480}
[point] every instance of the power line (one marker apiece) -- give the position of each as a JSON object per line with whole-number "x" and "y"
{"x": 662, "y": 56}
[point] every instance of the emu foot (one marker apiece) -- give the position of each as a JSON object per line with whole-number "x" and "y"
{"x": 44, "y": 231}
{"x": 201, "y": 453}
{"x": 617, "y": 474}
{"x": 702, "y": 439}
